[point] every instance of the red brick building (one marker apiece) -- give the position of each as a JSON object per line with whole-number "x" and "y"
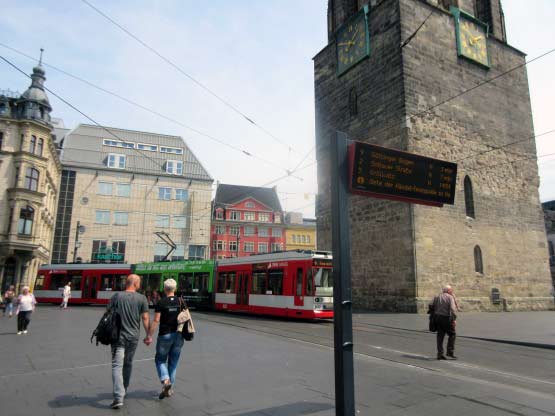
{"x": 246, "y": 220}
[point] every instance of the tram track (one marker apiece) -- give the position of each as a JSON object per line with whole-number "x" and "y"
{"x": 464, "y": 371}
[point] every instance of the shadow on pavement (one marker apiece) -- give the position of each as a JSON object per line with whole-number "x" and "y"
{"x": 69, "y": 400}
{"x": 299, "y": 408}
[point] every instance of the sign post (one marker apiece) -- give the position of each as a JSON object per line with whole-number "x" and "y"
{"x": 342, "y": 304}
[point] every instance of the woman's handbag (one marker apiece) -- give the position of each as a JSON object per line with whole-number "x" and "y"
{"x": 185, "y": 322}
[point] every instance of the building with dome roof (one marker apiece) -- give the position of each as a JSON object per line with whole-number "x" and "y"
{"x": 30, "y": 171}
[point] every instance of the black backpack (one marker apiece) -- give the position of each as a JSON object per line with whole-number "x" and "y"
{"x": 108, "y": 329}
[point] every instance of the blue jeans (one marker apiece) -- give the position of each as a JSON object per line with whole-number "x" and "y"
{"x": 9, "y": 308}
{"x": 168, "y": 350}
{"x": 122, "y": 364}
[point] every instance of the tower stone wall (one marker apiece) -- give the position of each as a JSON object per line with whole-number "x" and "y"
{"x": 401, "y": 253}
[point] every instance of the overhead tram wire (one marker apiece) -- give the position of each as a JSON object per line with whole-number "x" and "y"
{"x": 189, "y": 76}
{"x": 150, "y": 110}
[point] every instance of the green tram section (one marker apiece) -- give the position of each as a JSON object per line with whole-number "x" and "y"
{"x": 195, "y": 280}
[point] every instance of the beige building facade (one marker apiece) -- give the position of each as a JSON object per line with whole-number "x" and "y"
{"x": 133, "y": 195}
{"x": 300, "y": 232}
{"x": 30, "y": 171}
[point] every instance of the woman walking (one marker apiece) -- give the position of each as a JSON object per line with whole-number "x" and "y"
{"x": 25, "y": 306}
{"x": 9, "y": 295}
{"x": 169, "y": 342}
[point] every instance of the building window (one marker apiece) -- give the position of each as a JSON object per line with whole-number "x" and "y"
{"x": 220, "y": 229}
{"x": 179, "y": 252}
{"x": 276, "y": 232}
{"x": 174, "y": 150}
{"x": 116, "y": 143}
{"x": 31, "y": 179}
{"x": 276, "y": 247}
{"x": 234, "y": 230}
{"x": 277, "y": 218}
{"x": 25, "y": 224}
{"x": 163, "y": 221}
{"x": 249, "y": 205}
{"x": 102, "y": 217}
{"x": 294, "y": 238}
{"x": 248, "y": 247}
{"x": 116, "y": 161}
{"x": 160, "y": 251}
{"x": 307, "y": 239}
{"x": 263, "y": 217}
{"x": 468, "y": 198}
{"x": 104, "y": 188}
{"x": 165, "y": 193}
{"x": 174, "y": 167}
{"x": 233, "y": 246}
{"x": 249, "y": 231}
{"x": 262, "y": 232}
{"x": 40, "y": 147}
{"x": 179, "y": 221}
{"x": 123, "y": 190}
{"x": 235, "y": 216}
{"x": 304, "y": 239}
{"x": 1, "y": 140}
{"x": 551, "y": 253}
{"x": 181, "y": 194}
{"x": 120, "y": 218}
{"x": 220, "y": 245}
{"x": 249, "y": 216}
{"x": 33, "y": 144}
{"x": 149, "y": 147}
{"x": 98, "y": 247}
{"x": 118, "y": 249}
{"x": 219, "y": 214}
{"x": 478, "y": 263}
{"x": 262, "y": 247}
{"x": 196, "y": 252}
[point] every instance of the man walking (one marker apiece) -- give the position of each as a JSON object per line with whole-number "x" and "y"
{"x": 66, "y": 294}
{"x": 9, "y": 300}
{"x": 132, "y": 307}
{"x": 445, "y": 309}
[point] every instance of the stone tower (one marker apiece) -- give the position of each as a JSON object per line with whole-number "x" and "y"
{"x": 491, "y": 245}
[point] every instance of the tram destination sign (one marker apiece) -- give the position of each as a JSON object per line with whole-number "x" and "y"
{"x": 392, "y": 174}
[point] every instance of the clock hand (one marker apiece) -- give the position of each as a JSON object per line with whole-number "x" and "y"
{"x": 348, "y": 43}
{"x": 354, "y": 36}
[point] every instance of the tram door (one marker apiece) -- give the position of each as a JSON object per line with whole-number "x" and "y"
{"x": 242, "y": 289}
{"x": 299, "y": 299}
{"x": 89, "y": 287}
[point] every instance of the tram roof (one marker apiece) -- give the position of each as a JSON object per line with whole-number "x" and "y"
{"x": 281, "y": 256}
{"x": 86, "y": 266}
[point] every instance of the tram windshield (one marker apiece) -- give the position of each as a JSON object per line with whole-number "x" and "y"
{"x": 323, "y": 281}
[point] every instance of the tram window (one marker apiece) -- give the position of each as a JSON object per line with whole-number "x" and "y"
{"x": 39, "y": 282}
{"x": 58, "y": 281}
{"x": 185, "y": 282}
{"x": 309, "y": 291}
{"x": 151, "y": 283}
{"x": 299, "y": 283}
{"x": 222, "y": 277}
{"x": 75, "y": 281}
{"x": 323, "y": 280}
{"x": 119, "y": 283}
{"x": 275, "y": 282}
{"x": 201, "y": 281}
{"x": 259, "y": 283}
{"x": 106, "y": 281}
{"x": 230, "y": 283}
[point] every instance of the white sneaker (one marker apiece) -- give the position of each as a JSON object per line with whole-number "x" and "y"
{"x": 19, "y": 332}
{"x": 25, "y": 331}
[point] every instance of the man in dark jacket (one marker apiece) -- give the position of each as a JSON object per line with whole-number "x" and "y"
{"x": 445, "y": 312}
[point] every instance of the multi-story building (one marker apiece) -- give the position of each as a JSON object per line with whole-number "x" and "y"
{"x": 246, "y": 220}
{"x": 121, "y": 187}
{"x": 29, "y": 182}
{"x": 457, "y": 91}
{"x": 300, "y": 232}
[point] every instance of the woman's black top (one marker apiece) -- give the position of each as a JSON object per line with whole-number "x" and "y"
{"x": 169, "y": 308}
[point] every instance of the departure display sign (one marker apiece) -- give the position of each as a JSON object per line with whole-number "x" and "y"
{"x": 392, "y": 174}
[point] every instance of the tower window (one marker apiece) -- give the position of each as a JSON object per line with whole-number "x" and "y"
{"x": 40, "y": 147}
{"x": 33, "y": 144}
{"x": 478, "y": 262}
{"x": 468, "y": 198}
{"x": 25, "y": 224}
{"x": 31, "y": 179}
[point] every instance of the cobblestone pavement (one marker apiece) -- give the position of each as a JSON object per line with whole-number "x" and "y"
{"x": 244, "y": 366}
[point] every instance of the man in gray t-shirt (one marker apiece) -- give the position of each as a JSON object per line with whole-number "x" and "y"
{"x": 132, "y": 307}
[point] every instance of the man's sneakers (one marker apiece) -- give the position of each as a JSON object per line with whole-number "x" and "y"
{"x": 441, "y": 357}
{"x": 25, "y": 331}
{"x": 452, "y": 356}
{"x": 117, "y": 404}
{"x": 166, "y": 391}
{"x": 19, "y": 332}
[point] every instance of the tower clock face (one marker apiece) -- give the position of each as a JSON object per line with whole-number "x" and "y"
{"x": 472, "y": 39}
{"x": 351, "y": 42}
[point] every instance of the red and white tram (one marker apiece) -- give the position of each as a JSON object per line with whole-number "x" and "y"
{"x": 290, "y": 284}
{"x": 90, "y": 283}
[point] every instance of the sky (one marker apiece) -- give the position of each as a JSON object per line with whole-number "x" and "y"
{"x": 255, "y": 55}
